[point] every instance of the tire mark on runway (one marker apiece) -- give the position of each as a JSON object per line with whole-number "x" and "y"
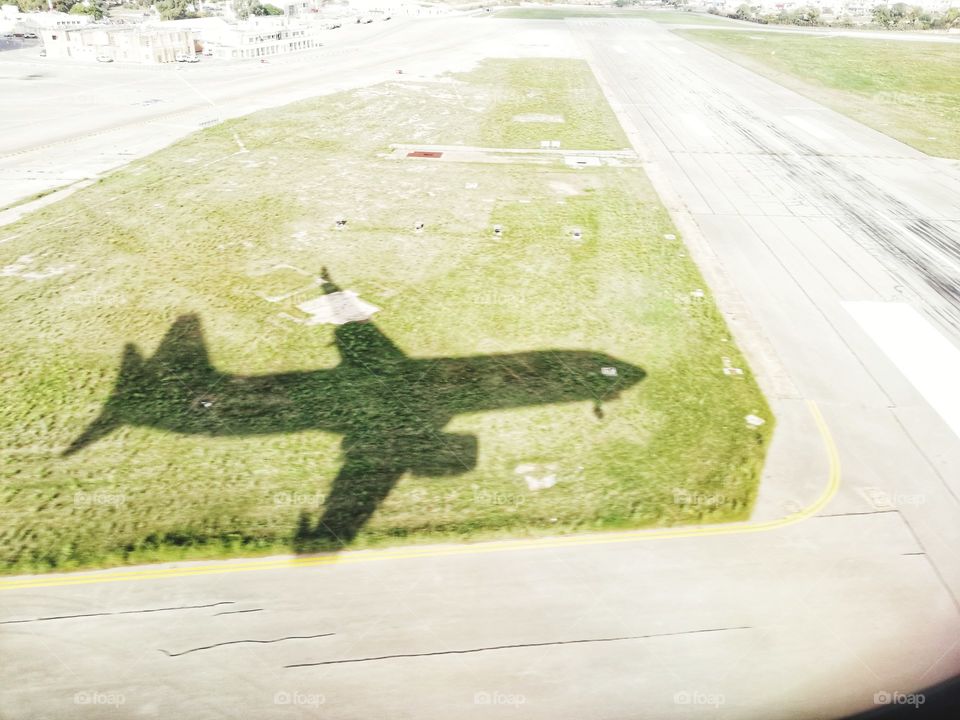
{"x": 513, "y": 647}
{"x": 241, "y": 642}
{"x": 120, "y": 612}
{"x": 903, "y": 232}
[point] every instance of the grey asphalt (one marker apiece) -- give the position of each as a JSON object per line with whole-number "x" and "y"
{"x": 791, "y": 211}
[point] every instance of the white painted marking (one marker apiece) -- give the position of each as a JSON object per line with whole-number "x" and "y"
{"x": 337, "y": 308}
{"x": 809, "y": 127}
{"x": 926, "y": 358}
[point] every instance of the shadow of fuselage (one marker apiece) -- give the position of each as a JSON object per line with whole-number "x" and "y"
{"x": 389, "y": 408}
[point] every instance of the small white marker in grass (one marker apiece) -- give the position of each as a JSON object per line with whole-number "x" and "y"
{"x": 669, "y": 236}
{"x": 729, "y": 369}
{"x": 698, "y": 293}
{"x": 754, "y": 421}
{"x": 608, "y": 371}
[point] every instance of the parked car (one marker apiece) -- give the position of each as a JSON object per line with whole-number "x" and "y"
{"x": 104, "y": 58}
{"x": 43, "y": 52}
{"x": 30, "y": 36}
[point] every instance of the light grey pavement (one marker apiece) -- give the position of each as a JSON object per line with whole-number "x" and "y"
{"x": 792, "y": 211}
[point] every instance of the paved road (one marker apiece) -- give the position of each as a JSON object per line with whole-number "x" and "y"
{"x": 823, "y": 241}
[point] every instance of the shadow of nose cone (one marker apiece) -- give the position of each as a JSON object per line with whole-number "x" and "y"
{"x": 615, "y": 376}
{"x": 628, "y": 374}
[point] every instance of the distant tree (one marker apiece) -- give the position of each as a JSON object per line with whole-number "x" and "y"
{"x": 244, "y": 8}
{"x": 806, "y": 16}
{"x": 882, "y": 16}
{"x": 743, "y": 12}
{"x": 95, "y": 8}
{"x": 31, "y": 5}
{"x": 173, "y": 9}
{"x": 266, "y": 9}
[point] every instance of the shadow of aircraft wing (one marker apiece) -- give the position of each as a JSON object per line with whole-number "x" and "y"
{"x": 361, "y": 485}
{"x": 371, "y": 469}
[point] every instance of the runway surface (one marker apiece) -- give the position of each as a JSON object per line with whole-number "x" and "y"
{"x": 829, "y": 247}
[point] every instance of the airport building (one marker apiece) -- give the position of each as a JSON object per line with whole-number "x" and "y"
{"x": 123, "y": 44}
{"x": 258, "y": 37}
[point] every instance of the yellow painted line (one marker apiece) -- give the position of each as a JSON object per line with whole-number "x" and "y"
{"x": 346, "y": 558}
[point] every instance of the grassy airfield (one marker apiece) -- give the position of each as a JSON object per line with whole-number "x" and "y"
{"x": 169, "y": 293}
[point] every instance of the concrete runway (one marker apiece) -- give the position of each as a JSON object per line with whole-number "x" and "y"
{"x": 831, "y": 249}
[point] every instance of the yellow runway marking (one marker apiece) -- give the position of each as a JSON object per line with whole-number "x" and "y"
{"x": 408, "y": 553}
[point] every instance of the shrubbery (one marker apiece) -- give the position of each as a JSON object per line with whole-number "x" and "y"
{"x": 899, "y": 16}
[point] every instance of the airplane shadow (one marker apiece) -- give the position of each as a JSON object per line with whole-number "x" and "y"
{"x": 390, "y": 408}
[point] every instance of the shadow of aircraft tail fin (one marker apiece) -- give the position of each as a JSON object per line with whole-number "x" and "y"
{"x": 183, "y": 350}
{"x": 109, "y": 419}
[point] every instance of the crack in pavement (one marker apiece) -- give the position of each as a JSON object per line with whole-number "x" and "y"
{"x": 120, "y": 612}
{"x": 237, "y": 612}
{"x": 512, "y": 647}
{"x": 239, "y": 642}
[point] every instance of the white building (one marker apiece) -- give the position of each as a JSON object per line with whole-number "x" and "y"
{"x": 257, "y": 37}
{"x": 136, "y": 44}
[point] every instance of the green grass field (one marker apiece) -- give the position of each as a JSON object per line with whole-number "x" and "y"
{"x": 219, "y": 436}
{"x": 663, "y": 16}
{"x": 908, "y": 90}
